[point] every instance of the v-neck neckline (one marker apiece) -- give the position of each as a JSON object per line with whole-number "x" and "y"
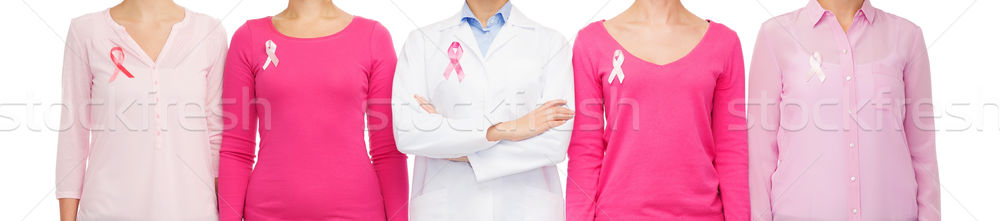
{"x": 697, "y": 47}
{"x": 144, "y": 56}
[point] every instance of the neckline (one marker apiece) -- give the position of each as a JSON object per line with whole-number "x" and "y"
{"x": 697, "y": 47}
{"x": 270, "y": 25}
{"x": 123, "y": 33}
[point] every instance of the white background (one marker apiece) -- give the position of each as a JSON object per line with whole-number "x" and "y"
{"x": 961, "y": 34}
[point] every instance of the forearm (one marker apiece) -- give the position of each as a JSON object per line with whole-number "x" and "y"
{"x": 436, "y": 136}
{"x": 68, "y": 208}
{"x": 393, "y": 183}
{"x": 511, "y": 157}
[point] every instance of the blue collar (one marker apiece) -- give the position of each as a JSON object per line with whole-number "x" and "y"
{"x": 503, "y": 14}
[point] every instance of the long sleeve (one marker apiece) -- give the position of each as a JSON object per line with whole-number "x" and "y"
{"x": 587, "y": 144}
{"x": 74, "y": 138}
{"x": 213, "y": 100}
{"x": 918, "y": 125}
{"x": 729, "y": 132}
{"x": 237, "y": 153}
{"x": 421, "y": 133}
{"x": 762, "y": 113}
{"x": 549, "y": 148}
{"x": 389, "y": 163}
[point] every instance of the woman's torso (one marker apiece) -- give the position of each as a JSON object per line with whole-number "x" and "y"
{"x": 150, "y": 157}
{"x": 312, "y": 162}
{"x": 659, "y": 156}
{"x": 501, "y": 86}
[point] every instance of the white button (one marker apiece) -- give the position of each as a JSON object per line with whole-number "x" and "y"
{"x": 848, "y": 77}
{"x": 852, "y": 145}
{"x": 844, "y": 51}
{"x": 854, "y": 211}
{"x": 853, "y": 179}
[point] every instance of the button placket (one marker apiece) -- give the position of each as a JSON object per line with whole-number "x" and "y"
{"x": 157, "y": 120}
{"x": 852, "y": 131}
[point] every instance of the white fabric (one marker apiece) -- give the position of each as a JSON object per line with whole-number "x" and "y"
{"x": 526, "y": 66}
{"x": 616, "y": 70}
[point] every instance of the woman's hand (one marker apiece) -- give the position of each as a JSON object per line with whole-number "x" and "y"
{"x": 427, "y": 106}
{"x": 549, "y": 115}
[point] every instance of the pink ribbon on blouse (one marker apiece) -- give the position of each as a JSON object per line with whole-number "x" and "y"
{"x": 118, "y": 57}
{"x": 454, "y": 53}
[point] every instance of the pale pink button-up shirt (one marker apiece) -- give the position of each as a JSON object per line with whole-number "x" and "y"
{"x": 840, "y": 123}
{"x": 145, "y": 146}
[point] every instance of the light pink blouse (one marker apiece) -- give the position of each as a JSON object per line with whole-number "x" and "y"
{"x": 141, "y": 144}
{"x": 841, "y": 124}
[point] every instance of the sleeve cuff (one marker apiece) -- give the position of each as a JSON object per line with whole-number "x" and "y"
{"x": 68, "y": 195}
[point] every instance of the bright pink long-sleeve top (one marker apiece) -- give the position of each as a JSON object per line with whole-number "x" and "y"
{"x": 674, "y": 147}
{"x": 842, "y": 126}
{"x": 311, "y": 100}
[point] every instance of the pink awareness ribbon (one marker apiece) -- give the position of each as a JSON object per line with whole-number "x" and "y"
{"x": 270, "y": 47}
{"x": 454, "y": 53}
{"x": 118, "y": 57}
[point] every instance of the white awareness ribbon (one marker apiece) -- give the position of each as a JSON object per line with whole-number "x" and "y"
{"x": 271, "y": 58}
{"x": 618, "y": 59}
{"x": 816, "y": 68}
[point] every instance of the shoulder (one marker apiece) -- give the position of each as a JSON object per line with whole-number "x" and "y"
{"x": 591, "y": 32}
{"x": 903, "y": 25}
{"x": 90, "y": 24}
{"x": 374, "y": 28}
{"x": 788, "y": 18}
{"x": 777, "y": 25}
{"x": 720, "y": 33}
{"x": 202, "y": 23}
{"x": 433, "y": 28}
{"x": 366, "y": 23}
{"x": 428, "y": 32}
{"x": 589, "y": 38}
{"x": 550, "y": 35}
{"x": 253, "y": 25}
{"x": 90, "y": 19}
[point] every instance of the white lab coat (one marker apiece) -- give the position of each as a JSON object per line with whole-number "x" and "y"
{"x": 526, "y": 66}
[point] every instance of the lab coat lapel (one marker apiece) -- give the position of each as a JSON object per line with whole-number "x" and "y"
{"x": 515, "y": 25}
{"x": 464, "y": 35}
{"x": 461, "y": 31}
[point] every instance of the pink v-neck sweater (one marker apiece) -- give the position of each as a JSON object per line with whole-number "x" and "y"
{"x": 675, "y": 144}
{"x": 311, "y": 103}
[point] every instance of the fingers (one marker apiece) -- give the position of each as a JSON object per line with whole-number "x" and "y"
{"x": 427, "y": 106}
{"x": 556, "y": 123}
{"x": 553, "y": 103}
{"x": 559, "y": 113}
{"x": 562, "y": 117}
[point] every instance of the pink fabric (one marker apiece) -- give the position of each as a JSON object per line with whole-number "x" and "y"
{"x": 858, "y": 145}
{"x": 674, "y": 147}
{"x": 145, "y": 146}
{"x": 454, "y": 53}
{"x": 153, "y": 133}
{"x": 312, "y": 162}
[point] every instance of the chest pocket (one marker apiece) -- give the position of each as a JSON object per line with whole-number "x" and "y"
{"x": 888, "y": 91}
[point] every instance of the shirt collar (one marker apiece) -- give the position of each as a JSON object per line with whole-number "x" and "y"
{"x": 815, "y": 12}
{"x": 504, "y": 13}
